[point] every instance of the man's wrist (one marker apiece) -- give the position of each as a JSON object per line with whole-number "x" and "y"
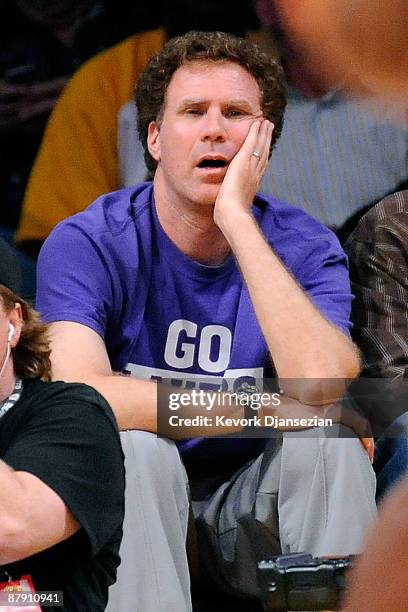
{"x": 234, "y": 223}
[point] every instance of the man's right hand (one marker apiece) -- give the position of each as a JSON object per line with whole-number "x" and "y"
{"x": 244, "y": 174}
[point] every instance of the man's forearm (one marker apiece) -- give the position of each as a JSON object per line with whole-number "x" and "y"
{"x": 302, "y": 343}
{"x": 135, "y": 404}
{"x": 211, "y": 407}
{"x": 133, "y": 401}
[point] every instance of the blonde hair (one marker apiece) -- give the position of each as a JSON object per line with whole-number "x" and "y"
{"x": 31, "y": 356}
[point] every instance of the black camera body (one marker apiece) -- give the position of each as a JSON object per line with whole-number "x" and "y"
{"x": 301, "y": 582}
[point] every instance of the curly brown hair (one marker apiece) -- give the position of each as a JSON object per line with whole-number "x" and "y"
{"x": 31, "y": 356}
{"x": 151, "y": 88}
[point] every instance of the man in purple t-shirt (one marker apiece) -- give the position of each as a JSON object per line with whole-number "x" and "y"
{"x": 194, "y": 277}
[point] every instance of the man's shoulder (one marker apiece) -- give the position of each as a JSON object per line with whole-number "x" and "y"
{"x": 301, "y": 241}
{"x": 110, "y": 214}
{"x": 280, "y": 217}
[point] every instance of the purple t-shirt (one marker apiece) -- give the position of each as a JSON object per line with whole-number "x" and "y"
{"x": 164, "y": 316}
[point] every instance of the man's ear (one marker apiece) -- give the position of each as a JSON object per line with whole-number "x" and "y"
{"x": 153, "y": 140}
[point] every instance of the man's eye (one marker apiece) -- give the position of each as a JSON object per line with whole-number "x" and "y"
{"x": 234, "y": 112}
{"x": 194, "y": 111}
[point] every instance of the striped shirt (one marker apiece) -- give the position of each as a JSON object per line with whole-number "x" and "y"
{"x": 378, "y": 253}
{"x": 337, "y": 155}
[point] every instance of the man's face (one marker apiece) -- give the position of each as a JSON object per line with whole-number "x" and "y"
{"x": 209, "y": 108}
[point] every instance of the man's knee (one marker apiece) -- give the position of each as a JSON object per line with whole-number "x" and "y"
{"x": 332, "y": 448}
{"x": 339, "y": 437}
{"x": 343, "y": 443}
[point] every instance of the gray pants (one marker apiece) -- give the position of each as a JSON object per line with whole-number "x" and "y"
{"x": 304, "y": 493}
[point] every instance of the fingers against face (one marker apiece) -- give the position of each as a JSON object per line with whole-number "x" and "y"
{"x": 259, "y": 137}
{"x": 258, "y": 141}
{"x": 251, "y": 140}
{"x": 264, "y": 142}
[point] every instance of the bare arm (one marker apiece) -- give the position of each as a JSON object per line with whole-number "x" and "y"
{"x": 302, "y": 343}
{"x": 79, "y": 355}
{"x": 32, "y": 516}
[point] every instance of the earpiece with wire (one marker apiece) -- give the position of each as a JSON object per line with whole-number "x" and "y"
{"x": 10, "y": 336}
{"x": 11, "y": 332}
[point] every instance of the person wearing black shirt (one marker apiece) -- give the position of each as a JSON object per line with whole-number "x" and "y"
{"x": 61, "y": 471}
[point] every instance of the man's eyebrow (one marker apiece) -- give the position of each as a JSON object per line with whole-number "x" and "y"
{"x": 192, "y": 102}
{"x": 242, "y": 102}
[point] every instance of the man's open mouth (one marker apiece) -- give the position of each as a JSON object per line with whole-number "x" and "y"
{"x": 212, "y": 163}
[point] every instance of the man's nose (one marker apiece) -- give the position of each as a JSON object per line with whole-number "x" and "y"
{"x": 214, "y": 127}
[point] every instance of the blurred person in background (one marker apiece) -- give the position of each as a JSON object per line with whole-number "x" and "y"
{"x": 43, "y": 43}
{"x": 366, "y": 39}
{"x": 378, "y": 257}
{"x": 340, "y": 151}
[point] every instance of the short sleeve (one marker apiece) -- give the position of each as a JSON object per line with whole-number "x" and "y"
{"x": 71, "y": 443}
{"x": 74, "y": 280}
{"x": 313, "y": 255}
{"x": 323, "y": 271}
